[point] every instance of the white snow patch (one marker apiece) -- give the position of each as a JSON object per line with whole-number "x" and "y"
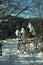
{"x": 40, "y": 54}
{"x": 23, "y": 55}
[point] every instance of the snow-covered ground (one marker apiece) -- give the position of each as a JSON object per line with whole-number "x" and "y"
{"x": 12, "y": 56}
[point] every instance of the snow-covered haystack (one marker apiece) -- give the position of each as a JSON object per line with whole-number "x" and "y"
{"x": 22, "y": 32}
{"x": 18, "y": 33}
{"x": 32, "y": 29}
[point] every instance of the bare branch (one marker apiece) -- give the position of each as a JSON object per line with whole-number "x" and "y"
{"x": 24, "y": 8}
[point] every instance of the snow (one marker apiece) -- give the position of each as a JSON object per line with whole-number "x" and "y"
{"x": 18, "y": 51}
{"x": 40, "y": 54}
{"x": 12, "y": 56}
